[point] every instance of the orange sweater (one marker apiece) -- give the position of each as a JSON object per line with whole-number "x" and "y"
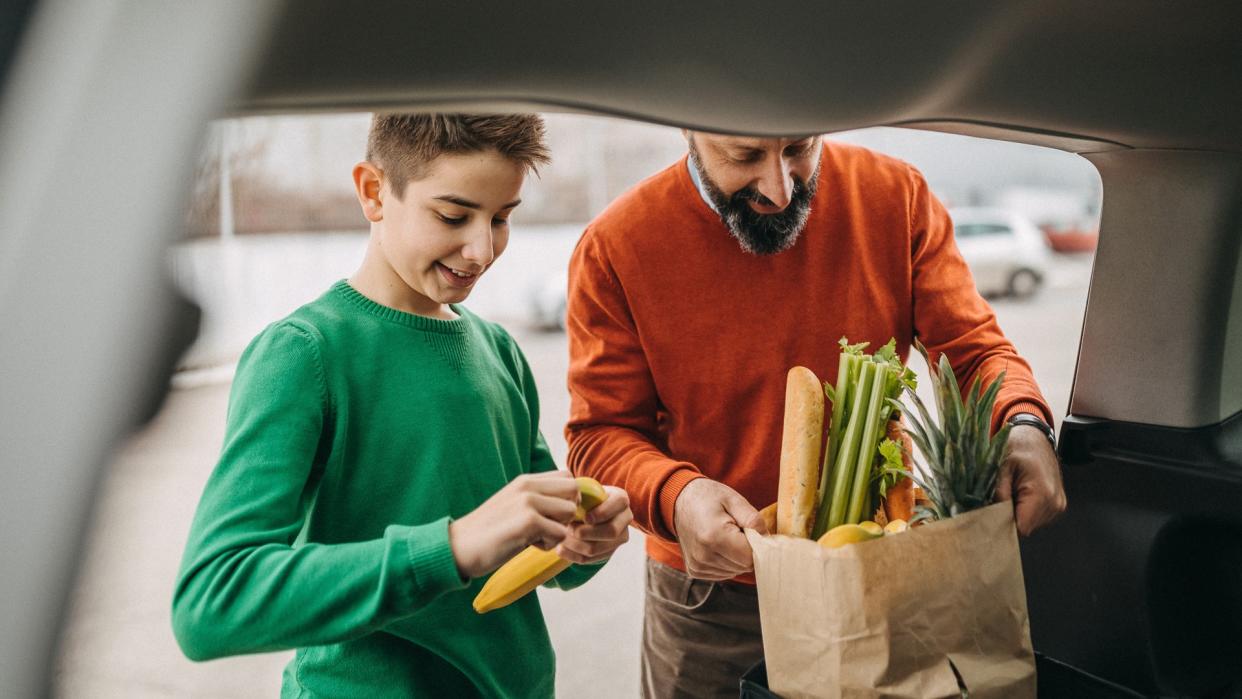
{"x": 679, "y": 340}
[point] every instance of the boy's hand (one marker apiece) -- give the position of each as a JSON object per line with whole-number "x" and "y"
{"x": 606, "y": 528}
{"x": 531, "y": 509}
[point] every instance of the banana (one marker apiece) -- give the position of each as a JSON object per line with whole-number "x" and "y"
{"x": 534, "y": 566}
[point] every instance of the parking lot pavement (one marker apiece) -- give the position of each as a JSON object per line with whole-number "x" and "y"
{"x": 118, "y": 640}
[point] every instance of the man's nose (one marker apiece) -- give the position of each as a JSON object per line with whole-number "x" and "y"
{"x": 776, "y": 182}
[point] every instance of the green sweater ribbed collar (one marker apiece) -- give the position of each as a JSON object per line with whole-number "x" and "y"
{"x": 456, "y": 326}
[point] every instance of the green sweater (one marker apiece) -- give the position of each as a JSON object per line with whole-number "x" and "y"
{"x": 355, "y": 433}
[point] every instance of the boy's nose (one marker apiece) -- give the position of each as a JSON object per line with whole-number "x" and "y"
{"x": 480, "y": 250}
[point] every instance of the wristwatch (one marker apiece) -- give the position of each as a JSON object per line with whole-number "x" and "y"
{"x": 1036, "y": 422}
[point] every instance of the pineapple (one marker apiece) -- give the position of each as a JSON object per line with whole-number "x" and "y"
{"x": 963, "y": 460}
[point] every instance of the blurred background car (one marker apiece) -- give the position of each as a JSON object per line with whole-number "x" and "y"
{"x": 547, "y": 303}
{"x": 1007, "y": 253}
{"x": 1071, "y": 237}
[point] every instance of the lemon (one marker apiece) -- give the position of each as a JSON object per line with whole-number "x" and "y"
{"x": 846, "y": 534}
{"x": 872, "y": 528}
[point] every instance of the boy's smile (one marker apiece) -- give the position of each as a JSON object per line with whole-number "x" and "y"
{"x": 457, "y": 278}
{"x": 430, "y": 245}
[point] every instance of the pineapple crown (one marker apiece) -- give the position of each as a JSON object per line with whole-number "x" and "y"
{"x": 961, "y": 455}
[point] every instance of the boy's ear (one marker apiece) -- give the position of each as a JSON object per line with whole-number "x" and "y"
{"x": 368, "y": 181}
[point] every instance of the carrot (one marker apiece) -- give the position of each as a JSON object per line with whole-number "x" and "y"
{"x": 899, "y": 501}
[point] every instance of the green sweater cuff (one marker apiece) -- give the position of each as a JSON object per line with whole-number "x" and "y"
{"x": 431, "y": 560}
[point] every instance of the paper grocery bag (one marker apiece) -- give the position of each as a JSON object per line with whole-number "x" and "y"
{"x": 908, "y": 615}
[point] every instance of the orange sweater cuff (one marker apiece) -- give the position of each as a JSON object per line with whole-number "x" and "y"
{"x": 672, "y": 487}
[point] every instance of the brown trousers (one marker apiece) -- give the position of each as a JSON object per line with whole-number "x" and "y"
{"x": 699, "y": 637}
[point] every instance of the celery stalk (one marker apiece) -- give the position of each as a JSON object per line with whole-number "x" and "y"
{"x": 864, "y": 461}
{"x": 836, "y": 427}
{"x": 847, "y": 454}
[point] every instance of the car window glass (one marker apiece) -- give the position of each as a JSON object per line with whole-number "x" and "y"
{"x": 287, "y": 225}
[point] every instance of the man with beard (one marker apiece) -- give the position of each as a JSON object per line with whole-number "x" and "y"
{"x": 692, "y": 295}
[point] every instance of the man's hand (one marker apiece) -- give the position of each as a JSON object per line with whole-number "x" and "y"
{"x": 709, "y": 517}
{"x": 1031, "y": 476}
{"x": 605, "y": 529}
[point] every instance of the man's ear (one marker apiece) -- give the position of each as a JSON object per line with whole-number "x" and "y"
{"x": 368, "y": 181}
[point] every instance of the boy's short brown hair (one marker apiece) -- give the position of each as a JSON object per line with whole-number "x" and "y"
{"x": 402, "y": 145}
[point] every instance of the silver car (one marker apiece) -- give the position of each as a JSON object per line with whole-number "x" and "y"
{"x": 1007, "y": 253}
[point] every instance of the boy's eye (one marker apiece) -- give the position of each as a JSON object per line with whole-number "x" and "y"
{"x": 452, "y": 220}
{"x": 500, "y": 221}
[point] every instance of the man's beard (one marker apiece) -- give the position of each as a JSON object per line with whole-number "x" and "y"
{"x": 760, "y": 234}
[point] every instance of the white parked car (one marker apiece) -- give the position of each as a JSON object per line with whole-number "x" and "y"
{"x": 548, "y": 302}
{"x": 1008, "y": 255}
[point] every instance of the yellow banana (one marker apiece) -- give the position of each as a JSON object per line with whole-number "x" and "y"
{"x": 534, "y": 566}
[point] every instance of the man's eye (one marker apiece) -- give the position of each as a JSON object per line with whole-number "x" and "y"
{"x": 747, "y": 158}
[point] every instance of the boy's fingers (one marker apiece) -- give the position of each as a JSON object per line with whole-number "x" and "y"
{"x": 549, "y": 535}
{"x": 616, "y": 503}
{"x": 555, "y": 483}
{"x": 605, "y": 511}
{"x": 577, "y": 557}
{"x": 552, "y": 507}
{"x": 583, "y": 551}
{"x": 606, "y": 530}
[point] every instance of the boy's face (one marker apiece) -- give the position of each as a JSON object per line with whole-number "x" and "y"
{"x": 448, "y": 226}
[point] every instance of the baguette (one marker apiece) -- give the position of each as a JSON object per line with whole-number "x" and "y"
{"x": 801, "y": 442}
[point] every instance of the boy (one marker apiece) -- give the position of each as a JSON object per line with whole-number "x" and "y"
{"x": 383, "y": 451}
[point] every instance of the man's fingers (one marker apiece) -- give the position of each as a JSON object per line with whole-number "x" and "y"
{"x": 1004, "y": 481}
{"x": 758, "y": 523}
{"x": 712, "y": 573}
{"x": 741, "y": 511}
{"x": 733, "y": 551}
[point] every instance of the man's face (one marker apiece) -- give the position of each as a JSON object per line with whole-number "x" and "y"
{"x": 762, "y": 187}
{"x": 449, "y": 226}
